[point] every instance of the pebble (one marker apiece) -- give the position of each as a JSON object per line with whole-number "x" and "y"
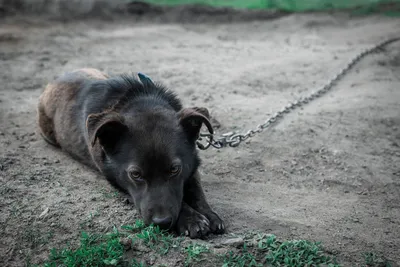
{"x": 44, "y": 213}
{"x": 235, "y": 242}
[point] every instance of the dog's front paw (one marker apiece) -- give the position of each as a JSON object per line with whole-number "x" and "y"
{"x": 217, "y": 226}
{"x": 191, "y": 223}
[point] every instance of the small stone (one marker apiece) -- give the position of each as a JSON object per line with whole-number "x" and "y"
{"x": 44, "y": 213}
{"x": 235, "y": 242}
{"x": 57, "y": 161}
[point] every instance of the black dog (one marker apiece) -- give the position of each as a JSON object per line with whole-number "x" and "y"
{"x": 140, "y": 137}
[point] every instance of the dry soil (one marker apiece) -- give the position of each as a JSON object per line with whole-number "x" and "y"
{"x": 329, "y": 172}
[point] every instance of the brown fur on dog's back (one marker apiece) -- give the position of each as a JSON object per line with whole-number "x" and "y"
{"x": 58, "y": 98}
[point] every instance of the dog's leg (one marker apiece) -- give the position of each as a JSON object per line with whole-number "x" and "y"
{"x": 191, "y": 223}
{"x": 195, "y": 198}
{"x": 46, "y": 127}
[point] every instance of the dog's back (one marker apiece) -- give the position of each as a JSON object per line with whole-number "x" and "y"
{"x": 56, "y": 108}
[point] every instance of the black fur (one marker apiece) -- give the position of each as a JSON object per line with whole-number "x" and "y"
{"x": 139, "y": 136}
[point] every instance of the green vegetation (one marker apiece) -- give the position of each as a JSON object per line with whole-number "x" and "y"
{"x": 288, "y": 5}
{"x": 241, "y": 259}
{"x": 109, "y": 249}
{"x": 116, "y": 249}
{"x": 371, "y": 259}
{"x": 157, "y": 239}
{"x": 94, "y": 250}
{"x": 195, "y": 253}
{"x": 294, "y": 253}
{"x": 271, "y": 252}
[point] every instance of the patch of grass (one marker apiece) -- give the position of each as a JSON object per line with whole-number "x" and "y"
{"x": 260, "y": 250}
{"x": 94, "y": 250}
{"x": 294, "y": 252}
{"x": 195, "y": 253}
{"x": 242, "y": 259}
{"x": 371, "y": 259}
{"x": 138, "y": 225}
{"x": 157, "y": 239}
{"x": 108, "y": 250}
{"x": 270, "y": 251}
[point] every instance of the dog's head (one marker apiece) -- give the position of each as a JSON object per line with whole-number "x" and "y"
{"x": 150, "y": 155}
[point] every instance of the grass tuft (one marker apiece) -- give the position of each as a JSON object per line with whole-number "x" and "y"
{"x": 294, "y": 252}
{"x": 157, "y": 239}
{"x": 195, "y": 253}
{"x": 94, "y": 250}
{"x": 371, "y": 259}
{"x": 269, "y": 251}
{"x": 242, "y": 259}
{"x": 107, "y": 249}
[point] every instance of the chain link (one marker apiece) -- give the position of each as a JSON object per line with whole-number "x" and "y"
{"x": 234, "y": 139}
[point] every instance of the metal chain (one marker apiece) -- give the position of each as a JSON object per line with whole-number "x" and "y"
{"x": 233, "y": 139}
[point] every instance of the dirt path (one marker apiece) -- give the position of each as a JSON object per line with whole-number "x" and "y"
{"x": 329, "y": 172}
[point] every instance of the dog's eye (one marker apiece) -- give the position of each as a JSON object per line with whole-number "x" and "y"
{"x": 135, "y": 175}
{"x": 175, "y": 169}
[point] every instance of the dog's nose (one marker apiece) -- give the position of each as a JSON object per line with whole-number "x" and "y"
{"x": 163, "y": 222}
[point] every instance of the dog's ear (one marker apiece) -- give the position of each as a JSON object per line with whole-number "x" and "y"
{"x": 107, "y": 127}
{"x": 192, "y": 119}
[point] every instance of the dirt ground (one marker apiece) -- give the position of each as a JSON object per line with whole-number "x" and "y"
{"x": 329, "y": 172}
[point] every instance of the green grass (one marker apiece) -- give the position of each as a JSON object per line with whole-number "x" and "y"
{"x": 116, "y": 249}
{"x": 157, "y": 239}
{"x": 372, "y": 259}
{"x": 195, "y": 253}
{"x": 363, "y": 6}
{"x": 270, "y": 251}
{"x": 108, "y": 250}
{"x": 94, "y": 250}
{"x": 243, "y": 258}
{"x": 294, "y": 252}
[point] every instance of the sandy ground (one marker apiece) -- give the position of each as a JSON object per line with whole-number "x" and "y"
{"x": 329, "y": 172}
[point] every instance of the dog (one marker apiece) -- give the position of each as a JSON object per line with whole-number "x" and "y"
{"x": 137, "y": 134}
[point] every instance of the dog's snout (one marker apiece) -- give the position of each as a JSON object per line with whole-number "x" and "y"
{"x": 162, "y": 222}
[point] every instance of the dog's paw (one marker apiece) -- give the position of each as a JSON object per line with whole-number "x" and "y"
{"x": 217, "y": 226}
{"x": 193, "y": 224}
